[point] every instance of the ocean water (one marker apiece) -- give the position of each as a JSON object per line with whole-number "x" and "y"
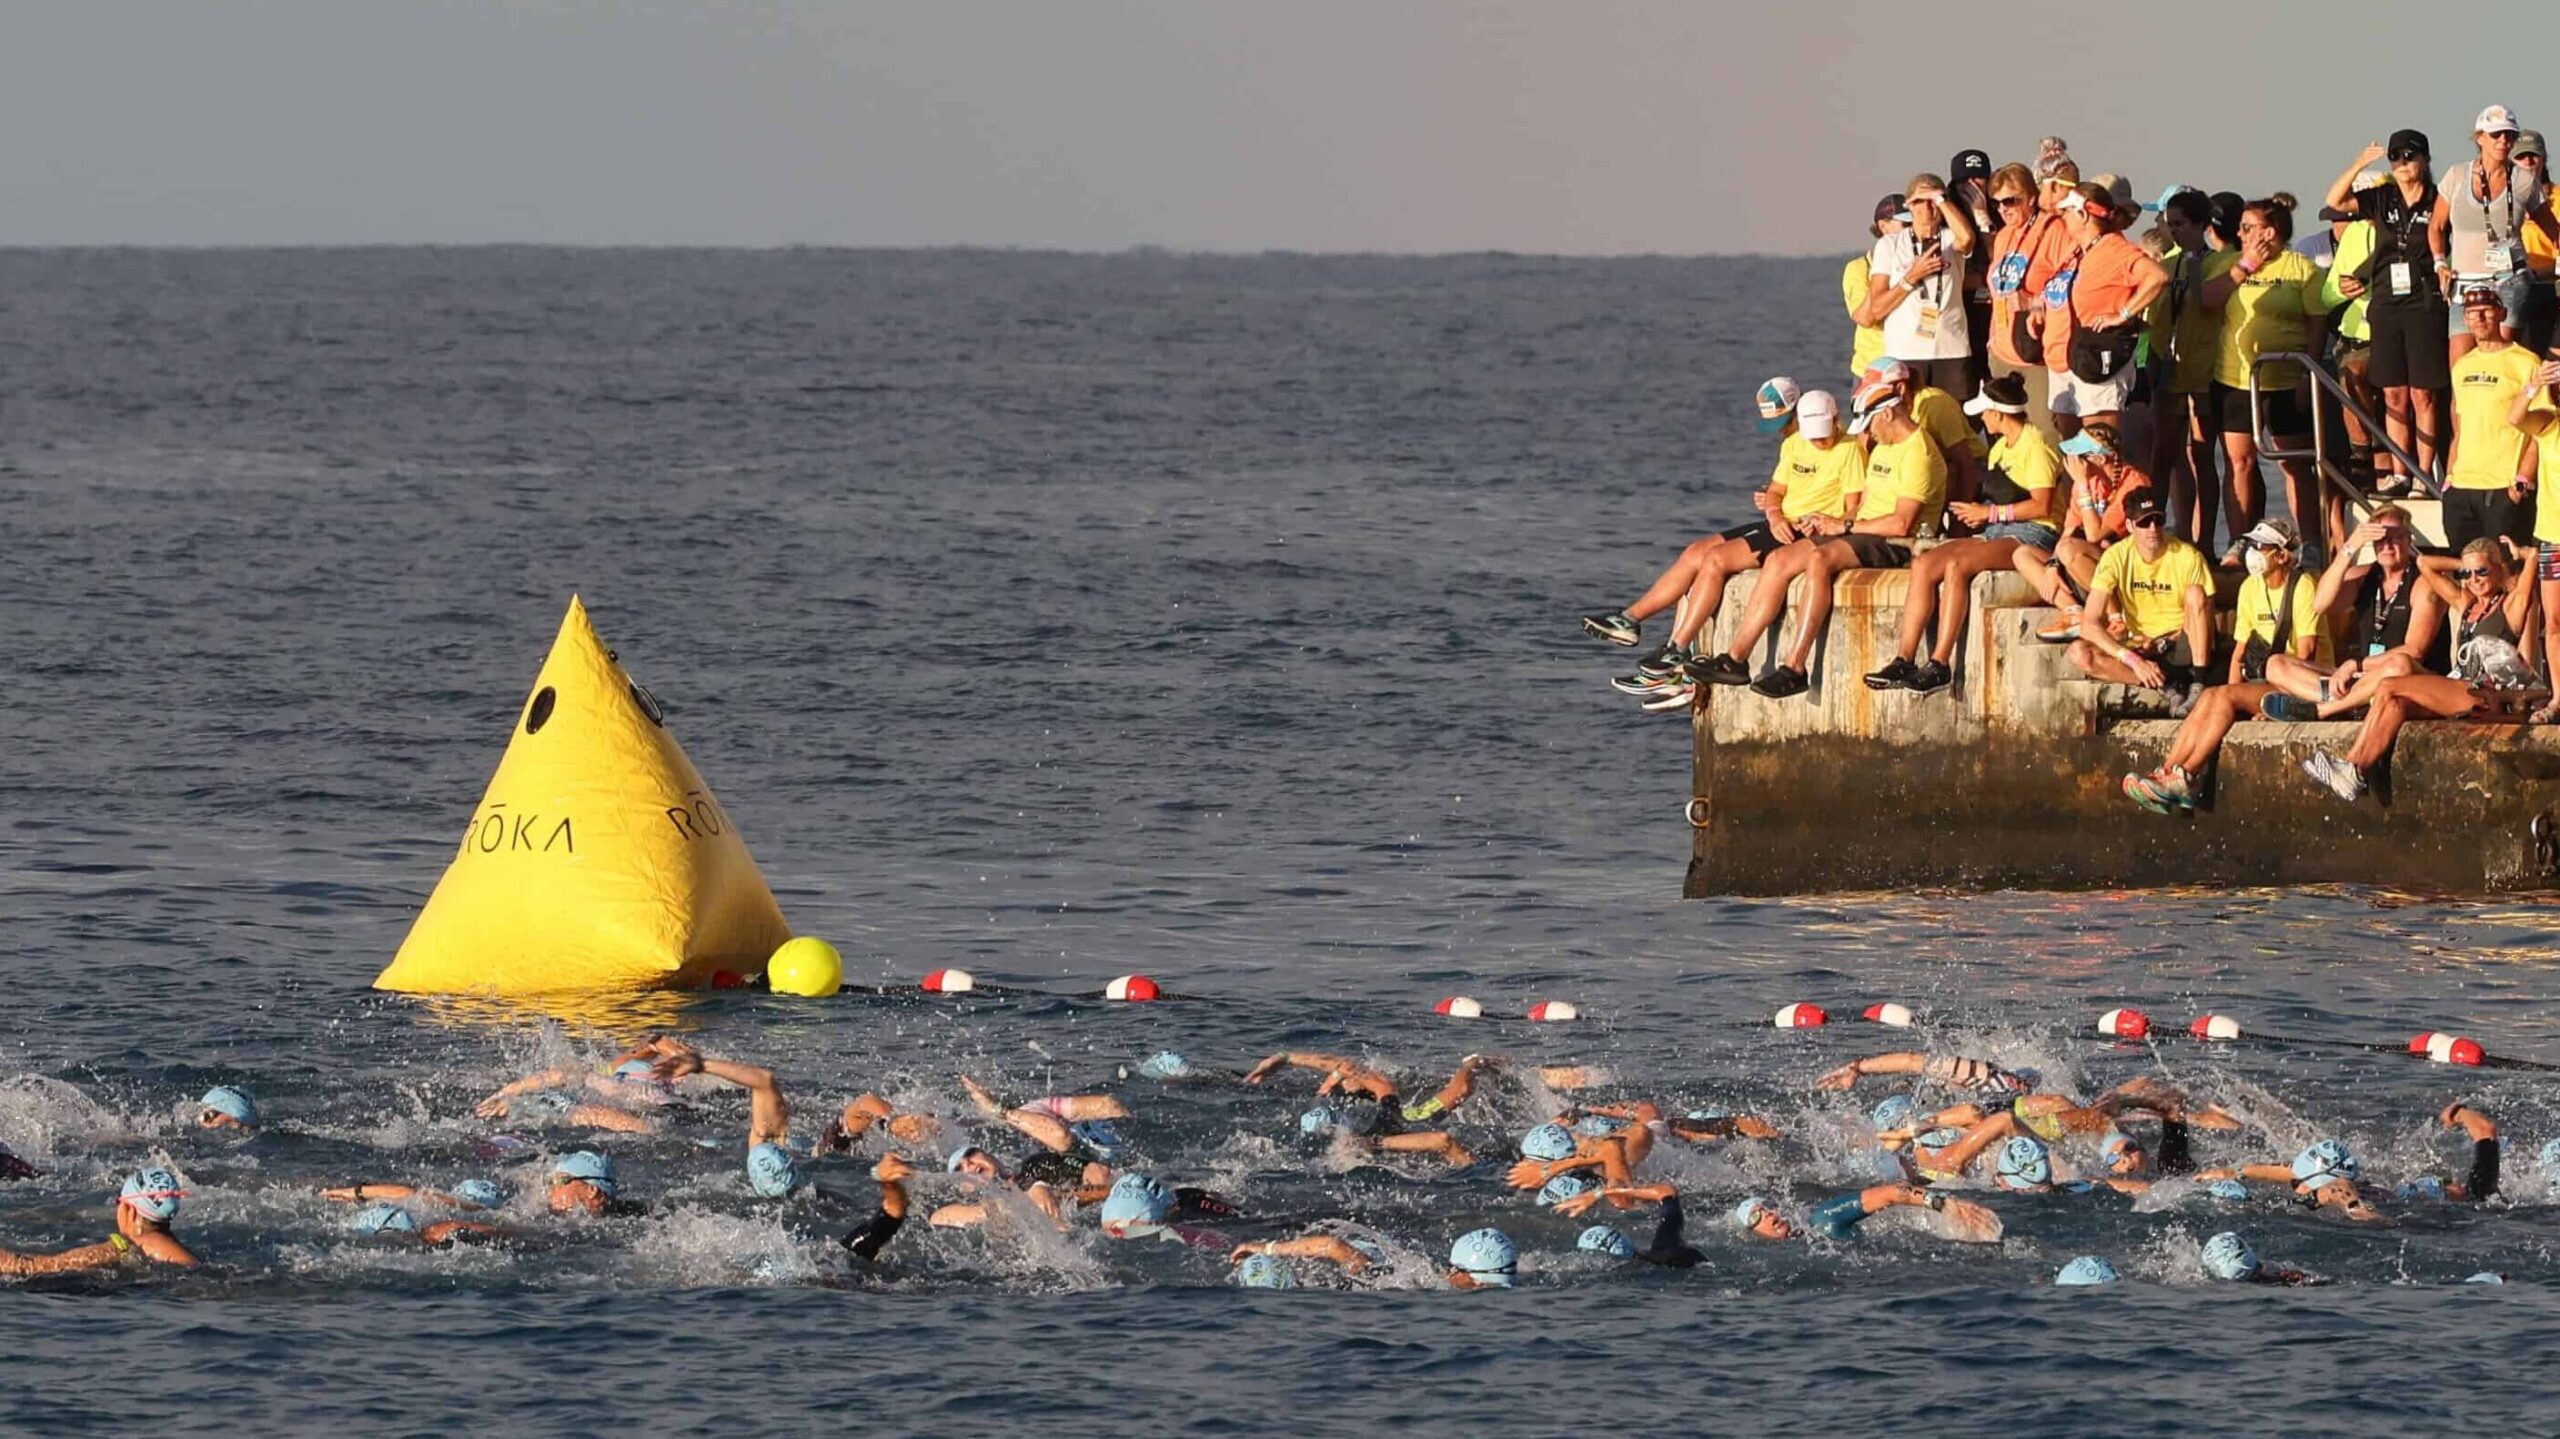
{"x": 1060, "y": 617}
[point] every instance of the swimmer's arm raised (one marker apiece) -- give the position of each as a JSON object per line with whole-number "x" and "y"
{"x": 495, "y": 1106}
{"x": 1907, "y": 1062}
{"x": 769, "y": 1114}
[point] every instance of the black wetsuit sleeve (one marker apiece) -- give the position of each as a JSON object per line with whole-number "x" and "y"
{"x": 2174, "y": 1155}
{"x": 874, "y": 1235}
{"x": 1667, "y": 1249}
{"x": 2484, "y": 1170}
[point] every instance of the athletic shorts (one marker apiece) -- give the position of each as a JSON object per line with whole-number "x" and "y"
{"x": 2470, "y": 514}
{"x": 2510, "y": 288}
{"x": 2546, "y": 563}
{"x": 2169, "y": 652}
{"x": 2284, "y": 411}
{"x": 1756, "y": 535}
{"x": 1875, "y": 552}
{"x": 2408, "y": 348}
{"x": 2025, "y": 532}
{"x": 2075, "y": 396}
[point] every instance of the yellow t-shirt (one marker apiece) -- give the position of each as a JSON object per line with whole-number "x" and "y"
{"x": 2152, "y": 593}
{"x": 2195, "y": 344}
{"x": 1816, "y": 479}
{"x": 1942, "y": 415}
{"x": 2270, "y": 310}
{"x": 2486, "y": 449}
{"x": 2256, "y": 617}
{"x": 2032, "y": 462}
{"x": 1907, "y": 469}
{"x": 2544, "y": 417}
{"x": 1853, "y": 291}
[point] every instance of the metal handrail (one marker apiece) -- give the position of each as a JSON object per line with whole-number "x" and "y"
{"x": 2318, "y": 454}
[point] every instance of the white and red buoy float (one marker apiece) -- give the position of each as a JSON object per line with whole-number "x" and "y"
{"x": 2215, "y": 1026}
{"x": 1890, "y": 1014}
{"x": 1133, "y": 989}
{"x": 949, "y": 981}
{"x": 1458, "y": 1006}
{"x": 2124, "y": 1024}
{"x": 2448, "y": 1048}
{"x": 1801, "y": 1016}
{"x": 1552, "y": 1011}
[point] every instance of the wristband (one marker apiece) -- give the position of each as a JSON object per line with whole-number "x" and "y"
{"x": 123, "y": 1246}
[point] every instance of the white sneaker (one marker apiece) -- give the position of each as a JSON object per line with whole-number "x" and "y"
{"x": 1672, "y": 697}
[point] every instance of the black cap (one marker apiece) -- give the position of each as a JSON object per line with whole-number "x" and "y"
{"x": 2404, "y": 141}
{"x": 2145, "y": 500}
{"x": 1968, "y": 165}
{"x": 1888, "y": 207}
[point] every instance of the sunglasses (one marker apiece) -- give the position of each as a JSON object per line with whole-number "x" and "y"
{"x": 2008, "y": 199}
{"x": 2406, "y": 157}
{"x": 2391, "y": 537}
{"x": 2472, "y": 574}
{"x": 2149, "y": 522}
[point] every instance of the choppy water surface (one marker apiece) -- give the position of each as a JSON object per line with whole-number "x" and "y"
{"x": 1061, "y": 617}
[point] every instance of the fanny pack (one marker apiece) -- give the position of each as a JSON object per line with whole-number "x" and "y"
{"x": 2098, "y": 356}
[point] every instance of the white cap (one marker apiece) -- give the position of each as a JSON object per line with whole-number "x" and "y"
{"x": 1982, "y": 401}
{"x": 1818, "y": 414}
{"x": 2073, "y": 201}
{"x": 2495, "y": 120}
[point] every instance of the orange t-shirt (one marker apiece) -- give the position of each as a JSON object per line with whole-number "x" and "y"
{"x": 2110, "y": 272}
{"x": 2043, "y": 243}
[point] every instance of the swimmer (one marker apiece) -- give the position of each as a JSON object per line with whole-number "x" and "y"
{"x": 2228, "y": 1257}
{"x": 1059, "y": 1123}
{"x": 225, "y": 1107}
{"x": 2325, "y": 1175}
{"x": 2085, "y": 1271}
{"x": 383, "y": 1220}
{"x": 876, "y": 1232}
{"x": 584, "y": 1183}
{"x": 2055, "y": 1118}
{"x": 1667, "y": 1249}
{"x": 1696, "y": 1126}
{"x": 1551, "y": 1150}
{"x": 1039, "y": 1184}
{"x": 770, "y": 1166}
{"x": 1380, "y": 1122}
{"x": 1354, "y": 1256}
{"x": 2481, "y": 1182}
{"x": 866, "y": 1112}
{"x": 476, "y": 1194}
{"x": 1139, "y": 1207}
{"x": 1839, "y": 1216}
{"x": 609, "y": 1099}
{"x": 1954, "y": 1070}
{"x": 144, "y": 1211}
{"x": 1484, "y": 1259}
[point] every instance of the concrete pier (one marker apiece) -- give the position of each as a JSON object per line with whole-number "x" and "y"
{"x": 2010, "y": 778}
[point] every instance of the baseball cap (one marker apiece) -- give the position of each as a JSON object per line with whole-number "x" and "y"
{"x": 2495, "y": 120}
{"x": 2482, "y": 295}
{"x": 2084, "y": 444}
{"x": 2273, "y": 532}
{"x": 2006, "y": 393}
{"x": 2529, "y": 142}
{"x": 2142, "y": 503}
{"x": 2170, "y": 194}
{"x": 2403, "y": 142}
{"x": 1778, "y": 396}
{"x": 1818, "y": 414}
{"x": 1969, "y": 165}
{"x": 1888, "y": 208}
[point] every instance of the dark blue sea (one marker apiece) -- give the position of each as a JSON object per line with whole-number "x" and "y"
{"x": 1060, "y": 617}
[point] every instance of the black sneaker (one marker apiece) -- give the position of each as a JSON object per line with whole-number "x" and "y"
{"x": 1613, "y": 626}
{"x": 1719, "y": 670}
{"x": 1930, "y": 677}
{"x": 1780, "y": 682}
{"x": 1895, "y": 675}
{"x": 1666, "y": 662}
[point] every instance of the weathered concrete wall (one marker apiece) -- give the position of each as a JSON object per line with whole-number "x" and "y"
{"x": 2011, "y": 778}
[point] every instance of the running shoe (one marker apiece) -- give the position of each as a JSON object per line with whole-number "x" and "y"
{"x": 1930, "y": 677}
{"x": 2285, "y": 708}
{"x": 2144, "y": 791}
{"x": 1666, "y": 661}
{"x": 1641, "y": 684}
{"x": 2174, "y": 785}
{"x": 2394, "y": 486}
{"x": 1719, "y": 670}
{"x": 2341, "y": 778}
{"x": 1613, "y": 626}
{"x": 1894, "y": 676}
{"x": 1781, "y": 682}
{"x": 2062, "y": 629}
{"x": 1678, "y": 696}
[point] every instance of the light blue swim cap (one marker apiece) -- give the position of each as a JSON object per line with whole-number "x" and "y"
{"x": 1265, "y": 1271}
{"x": 480, "y": 1193}
{"x": 2486, "y": 1276}
{"x": 2550, "y": 1158}
{"x": 2118, "y": 1152}
{"x": 1165, "y": 1064}
{"x": 2227, "y": 1189}
{"x": 383, "y": 1219}
{"x": 1548, "y": 1141}
{"x": 2025, "y": 1164}
{"x": 1598, "y": 1125}
{"x": 771, "y": 1171}
{"x": 1369, "y": 1248}
{"x": 634, "y": 1069}
{"x": 1892, "y": 1112}
{"x": 1564, "y": 1187}
{"x": 1706, "y": 1116}
{"x": 154, "y": 1194}
{"x": 959, "y": 1157}
{"x": 235, "y": 1103}
{"x": 1939, "y": 1138}
{"x": 590, "y": 1166}
{"x": 1487, "y": 1256}
{"x": 2323, "y": 1162}
{"x": 2426, "y": 1187}
{"x": 1136, "y": 1199}
{"x": 2228, "y": 1256}
{"x": 1606, "y": 1239}
{"x": 1098, "y": 1136}
{"x": 2087, "y": 1269}
{"x": 1315, "y": 1121}
{"x": 1748, "y": 1212}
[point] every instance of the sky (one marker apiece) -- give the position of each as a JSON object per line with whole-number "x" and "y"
{"x": 1589, "y": 127}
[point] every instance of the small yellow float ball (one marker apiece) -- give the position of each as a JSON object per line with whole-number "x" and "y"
{"x": 805, "y": 966}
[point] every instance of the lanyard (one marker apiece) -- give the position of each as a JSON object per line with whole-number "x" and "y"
{"x": 2480, "y": 196}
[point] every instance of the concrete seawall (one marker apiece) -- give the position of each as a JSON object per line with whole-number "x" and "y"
{"x": 2009, "y": 778}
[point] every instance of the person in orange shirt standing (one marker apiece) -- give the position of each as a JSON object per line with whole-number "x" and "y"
{"x": 2094, "y": 308}
{"x": 2028, "y": 248}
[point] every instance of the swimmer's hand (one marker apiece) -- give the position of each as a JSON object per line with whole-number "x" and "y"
{"x": 1262, "y": 1071}
{"x": 890, "y": 1169}
{"x": 1579, "y": 1205}
{"x": 682, "y": 1064}
{"x": 1750, "y": 1128}
{"x": 493, "y": 1107}
{"x": 1528, "y": 1174}
{"x": 1243, "y": 1252}
{"x": 1842, "y": 1078}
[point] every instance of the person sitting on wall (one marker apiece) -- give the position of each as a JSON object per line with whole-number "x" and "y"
{"x": 2163, "y": 590}
{"x": 2399, "y": 626}
{"x": 2103, "y": 483}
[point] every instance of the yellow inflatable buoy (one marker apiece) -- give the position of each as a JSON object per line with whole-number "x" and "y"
{"x": 805, "y": 966}
{"x": 597, "y": 859}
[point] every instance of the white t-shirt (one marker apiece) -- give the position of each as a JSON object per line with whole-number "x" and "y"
{"x": 1929, "y": 324}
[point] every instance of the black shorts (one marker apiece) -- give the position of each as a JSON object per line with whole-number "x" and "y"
{"x": 1756, "y": 535}
{"x": 1049, "y": 1167}
{"x": 1947, "y": 375}
{"x": 2171, "y": 652}
{"x": 1875, "y": 552}
{"x": 2284, "y": 411}
{"x": 2470, "y": 514}
{"x": 2409, "y": 348}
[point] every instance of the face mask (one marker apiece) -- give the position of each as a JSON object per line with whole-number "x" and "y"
{"x": 2256, "y": 560}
